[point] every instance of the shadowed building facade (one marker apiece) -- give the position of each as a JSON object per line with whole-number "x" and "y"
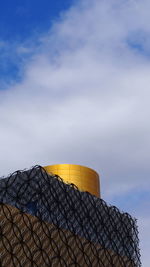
{"x": 47, "y": 222}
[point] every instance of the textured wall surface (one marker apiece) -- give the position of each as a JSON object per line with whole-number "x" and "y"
{"x": 46, "y": 222}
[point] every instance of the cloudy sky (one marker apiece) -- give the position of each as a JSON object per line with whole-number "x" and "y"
{"x": 75, "y": 88}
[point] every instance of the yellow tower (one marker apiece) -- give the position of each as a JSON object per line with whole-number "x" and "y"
{"x": 83, "y": 177}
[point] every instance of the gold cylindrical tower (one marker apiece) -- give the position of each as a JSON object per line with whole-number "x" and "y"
{"x": 83, "y": 177}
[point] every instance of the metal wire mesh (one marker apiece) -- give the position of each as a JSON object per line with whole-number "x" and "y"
{"x": 45, "y": 222}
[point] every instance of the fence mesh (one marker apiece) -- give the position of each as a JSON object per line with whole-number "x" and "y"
{"x": 45, "y": 222}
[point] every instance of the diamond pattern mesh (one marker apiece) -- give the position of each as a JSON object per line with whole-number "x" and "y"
{"x": 45, "y": 222}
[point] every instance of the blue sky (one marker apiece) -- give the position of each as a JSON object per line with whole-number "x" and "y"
{"x": 20, "y": 21}
{"x": 74, "y": 88}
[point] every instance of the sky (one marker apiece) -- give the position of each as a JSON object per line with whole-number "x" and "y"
{"x": 74, "y": 88}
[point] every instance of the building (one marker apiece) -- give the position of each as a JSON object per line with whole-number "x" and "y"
{"x": 47, "y": 222}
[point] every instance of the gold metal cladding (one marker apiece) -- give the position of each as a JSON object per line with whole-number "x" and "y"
{"x": 84, "y": 178}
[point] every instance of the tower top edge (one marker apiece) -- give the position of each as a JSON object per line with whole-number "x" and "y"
{"x": 72, "y": 167}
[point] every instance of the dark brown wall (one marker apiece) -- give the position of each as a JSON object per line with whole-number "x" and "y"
{"x": 28, "y": 242}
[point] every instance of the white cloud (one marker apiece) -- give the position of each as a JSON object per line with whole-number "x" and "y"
{"x": 85, "y": 96}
